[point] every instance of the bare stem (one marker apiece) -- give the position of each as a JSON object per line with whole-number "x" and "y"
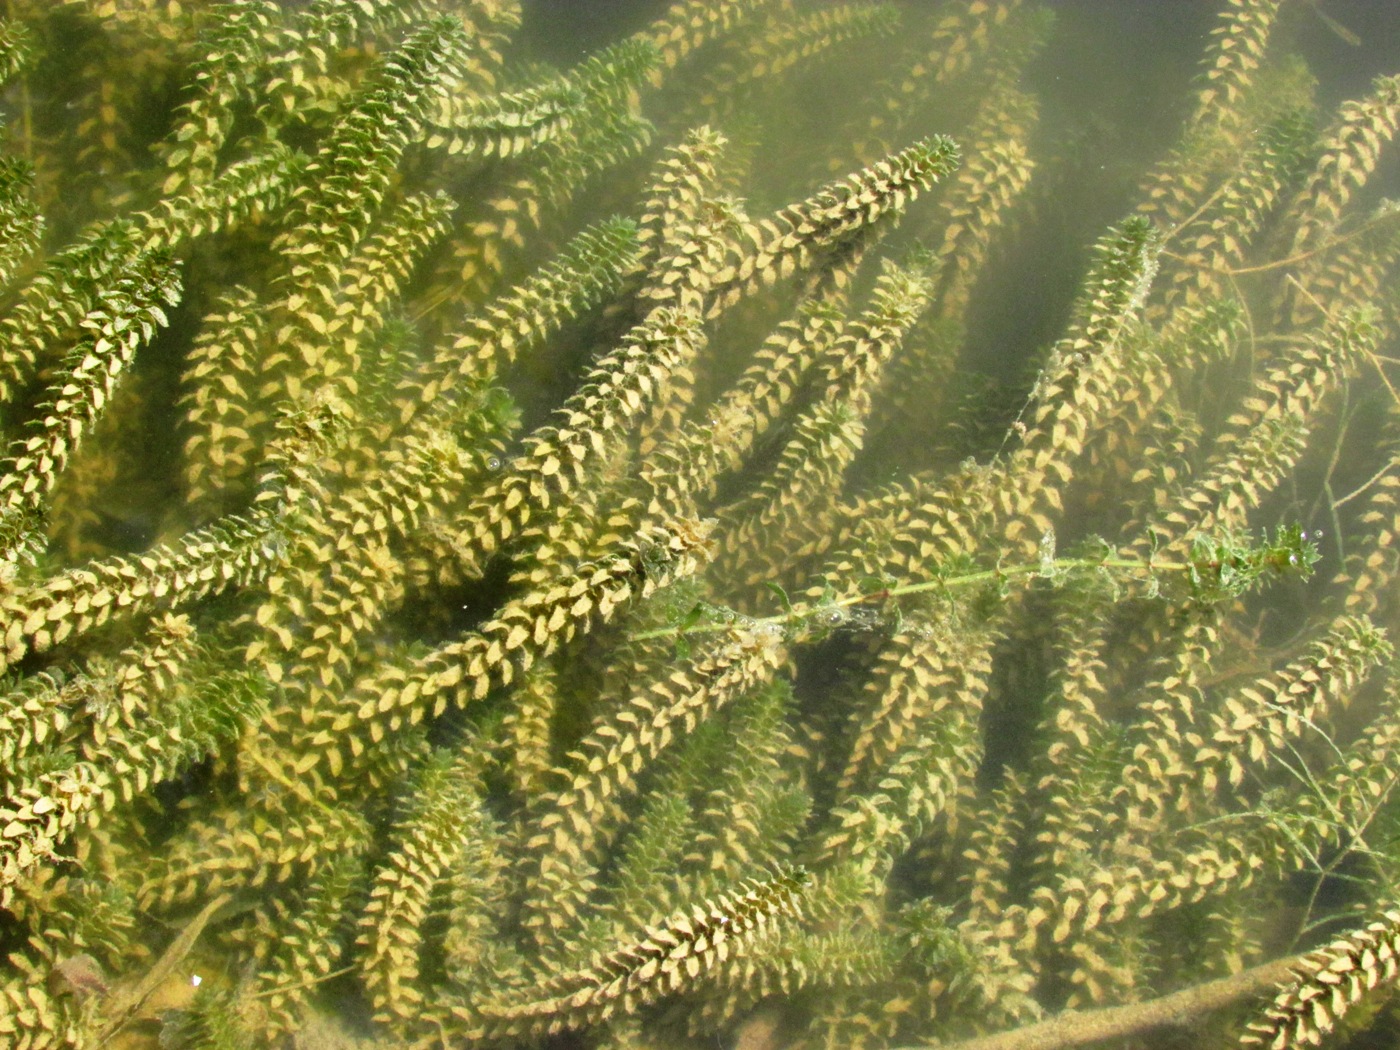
{"x": 1183, "y": 1009}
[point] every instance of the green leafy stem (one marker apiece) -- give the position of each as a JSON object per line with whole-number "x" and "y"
{"x": 1217, "y": 568}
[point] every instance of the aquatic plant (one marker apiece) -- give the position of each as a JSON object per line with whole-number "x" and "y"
{"x": 500, "y": 555}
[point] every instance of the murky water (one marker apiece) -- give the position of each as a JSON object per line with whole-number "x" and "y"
{"x": 605, "y": 529}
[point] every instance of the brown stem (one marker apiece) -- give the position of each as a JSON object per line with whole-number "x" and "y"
{"x": 1182, "y": 1009}
{"x": 124, "y": 1003}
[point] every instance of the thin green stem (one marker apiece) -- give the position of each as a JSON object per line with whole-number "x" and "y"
{"x": 801, "y": 614}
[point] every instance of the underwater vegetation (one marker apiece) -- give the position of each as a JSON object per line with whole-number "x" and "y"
{"x": 503, "y": 555}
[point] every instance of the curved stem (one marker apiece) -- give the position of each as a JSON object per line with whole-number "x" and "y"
{"x": 1183, "y": 1009}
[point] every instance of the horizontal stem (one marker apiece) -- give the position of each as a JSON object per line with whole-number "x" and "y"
{"x": 1183, "y": 1009}
{"x": 970, "y": 579}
